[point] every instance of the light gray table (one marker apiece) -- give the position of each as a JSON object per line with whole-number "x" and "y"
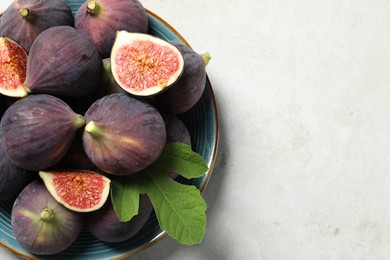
{"x": 303, "y": 90}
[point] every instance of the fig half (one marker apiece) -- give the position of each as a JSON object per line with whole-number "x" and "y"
{"x": 77, "y": 190}
{"x": 144, "y": 65}
{"x": 42, "y": 225}
{"x": 13, "y": 63}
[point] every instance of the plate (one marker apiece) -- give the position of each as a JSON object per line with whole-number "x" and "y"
{"x": 201, "y": 121}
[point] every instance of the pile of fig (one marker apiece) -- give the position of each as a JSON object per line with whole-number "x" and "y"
{"x": 85, "y": 98}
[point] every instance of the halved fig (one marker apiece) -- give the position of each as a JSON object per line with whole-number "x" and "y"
{"x": 77, "y": 190}
{"x": 123, "y": 135}
{"x": 101, "y": 19}
{"x": 13, "y": 63}
{"x": 144, "y": 65}
{"x": 24, "y": 20}
{"x": 41, "y": 225}
{"x": 36, "y": 131}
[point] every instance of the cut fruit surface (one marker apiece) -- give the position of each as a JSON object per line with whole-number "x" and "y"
{"x": 78, "y": 190}
{"x": 13, "y": 63}
{"x": 144, "y": 65}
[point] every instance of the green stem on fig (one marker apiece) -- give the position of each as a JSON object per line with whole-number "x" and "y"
{"x": 47, "y": 215}
{"x": 206, "y": 57}
{"x": 79, "y": 122}
{"x": 94, "y": 129}
{"x": 28, "y": 90}
{"x": 24, "y": 12}
{"x": 93, "y": 7}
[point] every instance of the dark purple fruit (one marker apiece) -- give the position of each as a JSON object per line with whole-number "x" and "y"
{"x": 40, "y": 224}
{"x": 12, "y": 178}
{"x": 24, "y": 20}
{"x": 176, "y": 132}
{"x": 101, "y": 19}
{"x": 188, "y": 89}
{"x": 63, "y": 62}
{"x": 123, "y": 135}
{"x": 105, "y": 225}
{"x": 37, "y": 130}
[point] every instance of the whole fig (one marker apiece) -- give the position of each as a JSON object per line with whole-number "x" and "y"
{"x": 41, "y": 225}
{"x": 123, "y": 134}
{"x": 188, "y": 89}
{"x": 105, "y": 225}
{"x": 24, "y": 20}
{"x": 36, "y": 131}
{"x": 101, "y": 19}
{"x": 64, "y": 63}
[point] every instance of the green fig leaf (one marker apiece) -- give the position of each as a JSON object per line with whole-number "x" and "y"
{"x": 179, "y": 158}
{"x": 180, "y": 209}
{"x": 125, "y": 192}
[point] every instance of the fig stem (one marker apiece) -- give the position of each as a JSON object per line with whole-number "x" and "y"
{"x": 93, "y": 7}
{"x": 24, "y": 12}
{"x": 79, "y": 122}
{"x": 46, "y": 214}
{"x": 206, "y": 57}
{"x": 94, "y": 129}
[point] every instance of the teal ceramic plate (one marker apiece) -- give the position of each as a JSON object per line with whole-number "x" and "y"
{"x": 202, "y": 122}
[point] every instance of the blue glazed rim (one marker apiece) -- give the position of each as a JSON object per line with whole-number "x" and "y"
{"x": 202, "y": 122}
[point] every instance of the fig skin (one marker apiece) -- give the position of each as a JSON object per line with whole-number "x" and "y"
{"x": 42, "y": 15}
{"x": 105, "y": 225}
{"x": 41, "y": 225}
{"x": 188, "y": 89}
{"x": 176, "y": 130}
{"x": 36, "y": 131}
{"x": 108, "y": 17}
{"x": 123, "y": 135}
{"x": 12, "y": 178}
{"x": 64, "y": 63}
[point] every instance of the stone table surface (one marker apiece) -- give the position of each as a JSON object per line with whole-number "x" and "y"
{"x": 303, "y": 92}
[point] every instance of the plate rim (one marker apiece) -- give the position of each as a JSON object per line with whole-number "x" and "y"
{"x": 208, "y": 174}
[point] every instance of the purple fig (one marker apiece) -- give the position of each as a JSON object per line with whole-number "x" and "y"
{"x": 188, "y": 89}
{"x": 63, "y": 62}
{"x": 123, "y": 135}
{"x": 36, "y": 131}
{"x": 101, "y": 19}
{"x": 41, "y": 225}
{"x": 105, "y": 225}
{"x": 24, "y": 20}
